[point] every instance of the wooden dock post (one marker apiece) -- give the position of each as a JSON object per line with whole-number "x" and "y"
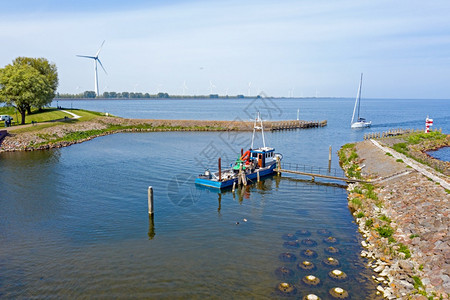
{"x": 220, "y": 170}
{"x": 278, "y": 166}
{"x": 329, "y": 160}
{"x": 150, "y": 200}
{"x": 257, "y": 175}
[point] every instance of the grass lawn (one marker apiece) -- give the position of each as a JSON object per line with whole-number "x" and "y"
{"x": 46, "y": 118}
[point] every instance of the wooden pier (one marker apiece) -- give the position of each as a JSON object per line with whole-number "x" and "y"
{"x": 293, "y": 124}
{"x": 393, "y": 132}
{"x": 309, "y": 171}
{"x": 314, "y": 175}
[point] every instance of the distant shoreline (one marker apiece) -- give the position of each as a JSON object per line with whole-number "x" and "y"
{"x": 220, "y": 98}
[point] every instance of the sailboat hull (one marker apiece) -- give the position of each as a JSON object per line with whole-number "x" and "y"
{"x": 361, "y": 124}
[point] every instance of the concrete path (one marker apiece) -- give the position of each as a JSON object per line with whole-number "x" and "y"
{"x": 413, "y": 164}
{"x": 72, "y": 114}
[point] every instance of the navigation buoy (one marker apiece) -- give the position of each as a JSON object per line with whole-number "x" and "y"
{"x": 303, "y": 232}
{"x": 311, "y": 297}
{"x": 337, "y": 275}
{"x": 330, "y": 240}
{"x": 339, "y": 293}
{"x": 284, "y": 273}
{"x": 287, "y": 257}
{"x": 330, "y": 261}
{"x": 291, "y": 244}
{"x": 289, "y": 237}
{"x": 286, "y": 289}
{"x": 331, "y": 250}
{"x": 308, "y": 253}
{"x": 306, "y": 265}
{"x": 324, "y": 232}
{"x": 311, "y": 280}
{"x": 309, "y": 242}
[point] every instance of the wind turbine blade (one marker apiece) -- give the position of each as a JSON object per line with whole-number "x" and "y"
{"x": 102, "y": 66}
{"x": 96, "y": 55}
{"x": 92, "y": 57}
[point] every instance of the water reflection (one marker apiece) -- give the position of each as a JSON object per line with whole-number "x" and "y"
{"x": 151, "y": 226}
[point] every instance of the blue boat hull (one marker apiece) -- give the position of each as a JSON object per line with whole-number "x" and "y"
{"x": 229, "y": 183}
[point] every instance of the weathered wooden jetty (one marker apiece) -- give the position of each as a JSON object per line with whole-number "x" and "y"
{"x": 314, "y": 172}
{"x": 294, "y": 124}
{"x": 392, "y": 132}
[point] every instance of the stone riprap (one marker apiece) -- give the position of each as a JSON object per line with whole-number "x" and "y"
{"x": 404, "y": 219}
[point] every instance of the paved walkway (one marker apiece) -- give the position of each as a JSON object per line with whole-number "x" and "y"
{"x": 414, "y": 165}
{"x": 72, "y": 114}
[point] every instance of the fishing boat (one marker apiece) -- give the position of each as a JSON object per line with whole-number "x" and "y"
{"x": 250, "y": 165}
{"x": 360, "y": 122}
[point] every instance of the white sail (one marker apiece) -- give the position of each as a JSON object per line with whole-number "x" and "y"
{"x": 360, "y": 122}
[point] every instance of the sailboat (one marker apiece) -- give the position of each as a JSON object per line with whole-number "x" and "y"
{"x": 360, "y": 122}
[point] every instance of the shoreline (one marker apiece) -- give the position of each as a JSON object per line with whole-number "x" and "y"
{"x": 65, "y": 133}
{"x": 403, "y": 217}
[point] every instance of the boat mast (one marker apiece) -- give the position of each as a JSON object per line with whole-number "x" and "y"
{"x": 359, "y": 95}
{"x": 260, "y": 127}
{"x": 356, "y": 103}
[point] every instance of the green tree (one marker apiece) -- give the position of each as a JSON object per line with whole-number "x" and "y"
{"x": 20, "y": 85}
{"x": 50, "y": 74}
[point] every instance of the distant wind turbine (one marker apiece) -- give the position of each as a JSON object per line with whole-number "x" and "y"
{"x": 184, "y": 88}
{"x": 95, "y": 58}
{"x": 211, "y": 86}
{"x": 249, "y": 85}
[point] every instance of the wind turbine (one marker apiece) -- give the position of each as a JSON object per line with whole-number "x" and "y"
{"x": 184, "y": 88}
{"x": 95, "y": 58}
{"x": 211, "y": 86}
{"x": 249, "y": 85}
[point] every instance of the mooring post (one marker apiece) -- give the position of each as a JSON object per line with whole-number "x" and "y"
{"x": 234, "y": 186}
{"x": 278, "y": 166}
{"x": 257, "y": 175}
{"x": 220, "y": 170}
{"x": 329, "y": 160}
{"x": 150, "y": 200}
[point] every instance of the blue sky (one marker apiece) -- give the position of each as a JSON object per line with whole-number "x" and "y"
{"x": 301, "y": 48}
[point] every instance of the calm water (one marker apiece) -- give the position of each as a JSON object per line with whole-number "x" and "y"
{"x": 441, "y": 154}
{"x": 74, "y": 222}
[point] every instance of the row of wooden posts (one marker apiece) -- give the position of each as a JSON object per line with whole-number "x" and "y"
{"x": 393, "y": 132}
{"x": 294, "y": 124}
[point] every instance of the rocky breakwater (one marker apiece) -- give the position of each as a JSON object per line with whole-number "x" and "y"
{"x": 404, "y": 219}
{"x": 61, "y": 134}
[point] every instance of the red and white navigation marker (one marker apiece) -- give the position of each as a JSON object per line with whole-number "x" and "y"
{"x": 428, "y": 123}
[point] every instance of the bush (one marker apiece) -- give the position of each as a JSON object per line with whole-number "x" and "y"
{"x": 401, "y": 147}
{"x": 356, "y": 201}
{"x": 384, "y": 218}
{"x": 369, "y": 222}
{"x": 385, "y": 231}
{"x": 360, "y": 215}
{"x": 404, "y": 249}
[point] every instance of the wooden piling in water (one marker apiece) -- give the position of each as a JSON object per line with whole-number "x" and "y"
{"x": 329, "y": 160}
{"x": 220, "y": 170}
{"x": 150, "y": 200}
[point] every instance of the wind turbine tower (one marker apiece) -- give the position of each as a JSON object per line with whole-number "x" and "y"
{"x": 95, "y": 58}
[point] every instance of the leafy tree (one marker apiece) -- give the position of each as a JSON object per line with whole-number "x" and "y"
{"x": 89, "y": 94}
{"x": 50, "y": 74}
{"x": 20, "y": 86}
